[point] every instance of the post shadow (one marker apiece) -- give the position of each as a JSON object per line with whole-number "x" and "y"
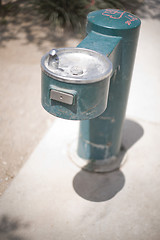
{"x": 99, "y": 187}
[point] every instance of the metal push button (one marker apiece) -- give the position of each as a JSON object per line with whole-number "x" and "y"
{"x": 61, "y": 97}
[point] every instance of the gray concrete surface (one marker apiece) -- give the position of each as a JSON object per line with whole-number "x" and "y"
{"x": 24, "y": 39}
{"x": 51, "y": 198}
{"x": 144, "y": 99}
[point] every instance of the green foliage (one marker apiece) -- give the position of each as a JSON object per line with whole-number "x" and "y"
{"x": 65, "y": 13}
{"x": 102, "y": 4}
{"x": 72, "y": 13}
{"x": 7, "y": 8}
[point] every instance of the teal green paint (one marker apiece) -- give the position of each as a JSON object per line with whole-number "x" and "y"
{"x": 98, "y": 41}
{"x": 112, "y": 22}
{"x": 90, "y": 100}
{"x": 113, "y": 33}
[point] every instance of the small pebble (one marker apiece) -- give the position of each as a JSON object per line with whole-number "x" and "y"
{"x": 4, "y": 163}
{"x": 6, "y": 178}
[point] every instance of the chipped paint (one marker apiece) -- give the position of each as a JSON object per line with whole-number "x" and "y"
{"x": 100, "y": 146}
{"x": 107, "y": 118}
{"x": 89, "y": 109}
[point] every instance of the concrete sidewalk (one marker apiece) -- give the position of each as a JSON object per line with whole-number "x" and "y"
{"x": 51, "y": 198}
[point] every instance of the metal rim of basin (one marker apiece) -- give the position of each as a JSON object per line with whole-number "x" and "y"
{"x": 76, "y": 65}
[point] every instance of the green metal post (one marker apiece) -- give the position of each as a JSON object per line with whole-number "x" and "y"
{"x": 115, "y": 34}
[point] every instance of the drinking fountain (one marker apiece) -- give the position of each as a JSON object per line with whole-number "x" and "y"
{"x": 91, "y": 83}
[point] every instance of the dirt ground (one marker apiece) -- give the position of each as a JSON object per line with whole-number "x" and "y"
{"x": 24, "y": 38}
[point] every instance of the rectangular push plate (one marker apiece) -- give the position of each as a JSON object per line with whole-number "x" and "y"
{"x": 61, "y": 97}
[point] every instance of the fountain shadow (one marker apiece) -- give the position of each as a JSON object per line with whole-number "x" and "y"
{"x": 99, "y": 187}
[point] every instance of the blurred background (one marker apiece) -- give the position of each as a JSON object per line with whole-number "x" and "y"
{"x": 28, "y": 29}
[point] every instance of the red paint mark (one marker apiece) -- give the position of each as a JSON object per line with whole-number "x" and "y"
{"x": 115, "y": 14}
{"x": 91, "y": 4}
{"x": 131, "y": 19}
